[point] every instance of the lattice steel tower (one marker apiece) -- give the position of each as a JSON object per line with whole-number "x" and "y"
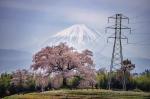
{"x": 117, "y": 56}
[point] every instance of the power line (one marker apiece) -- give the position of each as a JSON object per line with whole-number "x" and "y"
{"x": 117, "y": 57}
{"x": 136, "y": 43}
{"x": 138, "y": 16}
{"x": 140, "y": 22}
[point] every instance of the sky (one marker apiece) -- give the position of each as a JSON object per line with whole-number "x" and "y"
{"x": 26, "y": 24}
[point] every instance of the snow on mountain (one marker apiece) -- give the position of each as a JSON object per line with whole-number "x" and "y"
{"x": 79, "y": 33}
{"x": 79, "y": 36}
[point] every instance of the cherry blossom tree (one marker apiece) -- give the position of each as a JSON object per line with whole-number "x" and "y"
{"x": 64, "y": 60}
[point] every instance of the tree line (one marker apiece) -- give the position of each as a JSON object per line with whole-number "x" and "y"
{"x": 62, "y": 66}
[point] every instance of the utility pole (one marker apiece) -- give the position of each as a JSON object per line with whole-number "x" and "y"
{"x": 117, "y": 56}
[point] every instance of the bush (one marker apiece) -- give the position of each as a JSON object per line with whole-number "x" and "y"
{"x": 73, "y": 82}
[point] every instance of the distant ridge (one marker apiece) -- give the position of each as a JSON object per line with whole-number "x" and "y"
{"x": 11, "y": 60}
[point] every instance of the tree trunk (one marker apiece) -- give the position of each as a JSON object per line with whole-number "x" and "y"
{"x": 124, "y": 80}
{"x": 64, "y": 82}
{"x": 42, "y": 89}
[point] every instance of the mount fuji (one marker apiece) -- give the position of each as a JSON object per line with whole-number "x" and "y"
{"x": 78, "y": 36}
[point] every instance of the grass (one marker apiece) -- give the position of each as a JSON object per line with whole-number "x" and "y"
{"x": 82, "y": 94}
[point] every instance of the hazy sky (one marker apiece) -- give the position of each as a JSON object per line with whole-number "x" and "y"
{"x": 26, "y": 24}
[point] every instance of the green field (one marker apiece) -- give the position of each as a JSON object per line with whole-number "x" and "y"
{"x": 82, "y": 94}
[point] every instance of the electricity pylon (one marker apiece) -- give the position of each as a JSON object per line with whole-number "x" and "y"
{"x": 117, "y": 56}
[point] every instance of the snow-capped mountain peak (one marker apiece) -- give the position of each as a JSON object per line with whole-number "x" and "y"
{"x": 78, "y": 36}
{"x": 78, "y": 32}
